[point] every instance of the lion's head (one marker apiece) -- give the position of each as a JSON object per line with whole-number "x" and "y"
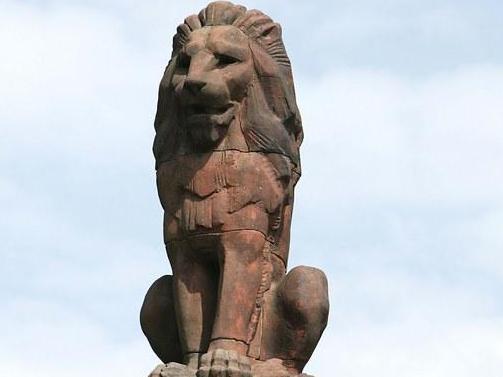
{"x": 228, "y": 65}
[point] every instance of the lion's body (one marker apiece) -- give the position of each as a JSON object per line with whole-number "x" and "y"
{"x": 217, "y": 192}
{"x": 227, "y": 142}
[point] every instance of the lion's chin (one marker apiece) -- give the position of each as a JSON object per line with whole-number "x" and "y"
{"x": 206, "y": 138}
{"x": 207, "y": 130}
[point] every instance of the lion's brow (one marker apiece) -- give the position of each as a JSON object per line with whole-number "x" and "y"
{"x": 224, "y": 47}
{"x": 193, "y": 47}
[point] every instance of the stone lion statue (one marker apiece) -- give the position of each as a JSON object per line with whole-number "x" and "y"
{"x": 228, "y": 133}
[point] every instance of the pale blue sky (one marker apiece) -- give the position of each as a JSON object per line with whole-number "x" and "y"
{"x": 401, "y": 201}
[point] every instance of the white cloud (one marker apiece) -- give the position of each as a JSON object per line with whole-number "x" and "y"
{"x": 50, "y": 340}
{"x": 415, "y": 349}
{"x": 433, "y": 140}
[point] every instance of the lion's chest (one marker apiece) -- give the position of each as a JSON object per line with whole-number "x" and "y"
{"x": 219, "y": 190}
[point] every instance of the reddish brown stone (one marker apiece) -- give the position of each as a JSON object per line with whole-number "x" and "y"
{"x": 228, "y": 133}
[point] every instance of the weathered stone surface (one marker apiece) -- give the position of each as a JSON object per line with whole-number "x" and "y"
{"x": 270, "y": 368}
{"x": 228, "y": 133}
{"x": 172, "y": 370}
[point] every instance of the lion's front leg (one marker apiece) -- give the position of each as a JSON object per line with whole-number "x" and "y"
{"x": 241, "y": 265}
{"x": 241, "y": 262}
{"x": 194, "y": 286}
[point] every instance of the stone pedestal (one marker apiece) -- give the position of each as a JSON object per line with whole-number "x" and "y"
{"x": 271, "y": 368}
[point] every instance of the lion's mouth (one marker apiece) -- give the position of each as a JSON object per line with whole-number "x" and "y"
{"x": 197, "y": 114}
{"x": 207, "y": 110}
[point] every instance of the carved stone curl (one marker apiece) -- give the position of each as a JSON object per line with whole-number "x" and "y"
{"x": 228, "y": 133}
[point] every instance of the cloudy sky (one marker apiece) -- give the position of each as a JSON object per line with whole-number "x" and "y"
{"x": 401, "y": 201}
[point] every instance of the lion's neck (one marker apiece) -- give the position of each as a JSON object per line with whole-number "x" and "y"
{"x": 234, "y": 138}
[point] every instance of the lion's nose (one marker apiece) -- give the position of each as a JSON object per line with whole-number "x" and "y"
{"x": 194, "y": 86}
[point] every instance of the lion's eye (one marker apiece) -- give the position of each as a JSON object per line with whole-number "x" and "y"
{"x": 224, "y": 60}
{"x": 183, "y": 61}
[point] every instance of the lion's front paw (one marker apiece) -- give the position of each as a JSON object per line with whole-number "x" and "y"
{"x": 172, "y": 370}
{"x": 222, "y": 363}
